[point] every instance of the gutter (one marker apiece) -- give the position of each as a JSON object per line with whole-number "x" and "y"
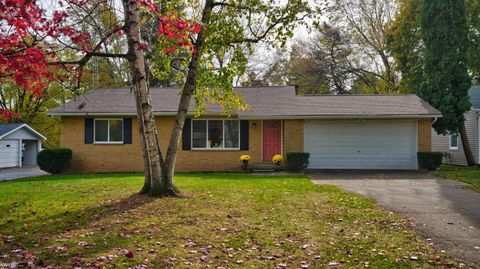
{"x": 259, "y": 117}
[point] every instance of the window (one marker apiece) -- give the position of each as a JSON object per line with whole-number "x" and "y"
{"x": 453, "y": 144}
{"x": 108, "y": 131}
{"x": 216, "y": 134}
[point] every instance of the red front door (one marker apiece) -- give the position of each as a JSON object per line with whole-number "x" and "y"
{"x": 272, "y": 133}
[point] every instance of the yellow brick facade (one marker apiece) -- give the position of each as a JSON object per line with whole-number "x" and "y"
{"x": 128, "y": 158}
{"x": 292, "y": 136}
{"x": 425, "y": 135}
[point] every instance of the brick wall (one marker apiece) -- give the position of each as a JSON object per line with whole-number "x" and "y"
{"x": 292, "y": 135}
{"x": 425, "y": 135}
{"x": 128, "y": 157}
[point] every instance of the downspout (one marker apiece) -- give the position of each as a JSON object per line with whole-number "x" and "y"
{"x": 478, "y": 136}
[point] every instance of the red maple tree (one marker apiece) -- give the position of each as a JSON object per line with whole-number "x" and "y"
{"x": 31, "y": 38}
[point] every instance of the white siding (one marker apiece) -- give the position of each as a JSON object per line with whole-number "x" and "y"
{"x": 457, "y": 156}
{"x": 9, "y": 153}
{"x": 23, "y": 133}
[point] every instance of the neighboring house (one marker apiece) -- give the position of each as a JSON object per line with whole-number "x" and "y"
{"x": 452, "y": 145}
{"x": 19, "y": 145}
{"x": 339, "y": 132}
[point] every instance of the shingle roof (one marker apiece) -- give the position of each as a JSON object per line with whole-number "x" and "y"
{"x": 264, "y": 101}
{"x": 8, "y": 127}
{"x": 474, "y": 94}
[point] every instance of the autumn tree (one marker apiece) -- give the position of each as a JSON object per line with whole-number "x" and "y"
{"x": 29, "y": 52}
{"x": 366, "y": 23}
{"x": 406, "y": 46}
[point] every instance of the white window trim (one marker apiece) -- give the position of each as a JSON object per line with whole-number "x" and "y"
{"x": 223, "y": 133}
{"x": 450, "y": 142}
{"x": 108, "y": 131}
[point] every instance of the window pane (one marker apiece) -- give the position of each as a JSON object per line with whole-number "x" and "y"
{"x": 101, "y": 130}
{"x": 116, "y": 130}
{"x": 231, "y": 133}
{"x": 454, "y": 141}
{"x": 215, "y": 134}
{"x": 199, "y": 134}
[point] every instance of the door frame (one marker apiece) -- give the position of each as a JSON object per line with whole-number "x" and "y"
{"x": 261, "y": 137}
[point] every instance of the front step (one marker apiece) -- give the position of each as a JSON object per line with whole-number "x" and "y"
{"x": 264, "y": 168}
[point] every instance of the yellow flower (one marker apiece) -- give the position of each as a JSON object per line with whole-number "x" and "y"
{"x": 277, "y": 159}
{"x": 244, "y": 158}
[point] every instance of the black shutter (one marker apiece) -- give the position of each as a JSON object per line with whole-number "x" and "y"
{"x": 186, "y": 135}
{"x": 127, "y": 131}
{"x": 88, "y": 131}
{"x": 244, "y": 135}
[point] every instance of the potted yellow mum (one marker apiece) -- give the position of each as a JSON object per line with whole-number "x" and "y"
{"x": 244, "y": 159}
{"x": 277, "y": 159}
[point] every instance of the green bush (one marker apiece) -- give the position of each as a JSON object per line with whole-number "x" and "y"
{"x": 54, "y": 161}
{"x": 297, "y": 161}
{"x": 429, "y": 160}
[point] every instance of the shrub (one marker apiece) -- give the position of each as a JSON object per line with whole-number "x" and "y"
{"x": 54, "y": 161}
{"x": 429, "y": 160}
{"x": 297, "y": 161}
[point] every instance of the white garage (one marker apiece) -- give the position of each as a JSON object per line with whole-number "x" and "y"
{"x": 361, "y": 144}
{"x": 19, "y": 145}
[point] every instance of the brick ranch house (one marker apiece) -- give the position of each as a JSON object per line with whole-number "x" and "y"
{"x": 339, "y": 132}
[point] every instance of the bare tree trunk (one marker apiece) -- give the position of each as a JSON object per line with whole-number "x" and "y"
{"x": 466, "y": 146}
{"x": 188, "y": 90}
{"x": 147, "y": 185}
{"x": 146, "y": 121}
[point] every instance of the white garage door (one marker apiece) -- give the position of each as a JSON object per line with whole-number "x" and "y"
{"x": 9, "y": 151}
{"x": 369, "y": 144}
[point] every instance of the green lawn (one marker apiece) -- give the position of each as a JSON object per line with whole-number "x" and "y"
{"x": 225, "y": 220}
{"x": 470, "y": 175}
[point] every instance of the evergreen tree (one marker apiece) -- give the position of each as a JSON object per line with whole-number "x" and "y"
{"x": 446, "y": 79}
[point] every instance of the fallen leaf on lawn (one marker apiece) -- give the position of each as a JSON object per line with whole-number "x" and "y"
{"x": 128, "y": 254}
{"x": 304, "y": 264}
{"x": 190, "y": 244}
{"x": 333, "y": 263}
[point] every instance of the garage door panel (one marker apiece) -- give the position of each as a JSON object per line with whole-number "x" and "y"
{"x": 361, "y": 145}
{"x": 9, "y": 153}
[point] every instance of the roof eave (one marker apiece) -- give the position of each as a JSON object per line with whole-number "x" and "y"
{"x": 353, "y": 116}
{"x": 349, "y": 116}
{"x": 125, "y": 114}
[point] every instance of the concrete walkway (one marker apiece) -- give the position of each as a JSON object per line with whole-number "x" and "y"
{"x": 443, "y": 211}
{"x": 21, "y": 172}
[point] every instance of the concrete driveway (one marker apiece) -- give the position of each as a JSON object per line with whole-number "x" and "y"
{"x": 443, "y": 211}
{"x": 21, "y": 172}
